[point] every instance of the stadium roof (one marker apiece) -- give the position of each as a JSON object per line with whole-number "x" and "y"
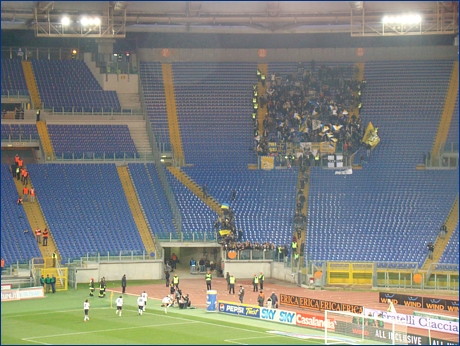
{"x": 252, "y": 17}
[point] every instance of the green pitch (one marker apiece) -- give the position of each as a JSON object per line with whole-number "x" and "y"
{"x": 58, "y": 319}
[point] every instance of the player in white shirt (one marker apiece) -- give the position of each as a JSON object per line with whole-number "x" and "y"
{"x": 119, "y": 303}
{"x": 166, "y": 303}
{"x": 140, "y": 304}
{"x": 86, "y": 308}
{"x": 144, "y": 296}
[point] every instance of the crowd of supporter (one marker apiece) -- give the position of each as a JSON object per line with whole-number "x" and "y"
{"x": 311, "y": 105}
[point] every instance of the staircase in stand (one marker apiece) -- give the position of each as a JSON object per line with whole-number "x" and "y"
{"x": 195, "y": 188}
{"x": 136, "y": 210}
{"x": 140, "y": 137}
{"x": 31, "y": 84}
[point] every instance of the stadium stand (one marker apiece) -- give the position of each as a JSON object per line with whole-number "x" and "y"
{"x": 450, "y": 254}
{"x": 85, "y": 208}
{"x": 265, "y": 200}
{"x": 13, "y": 80}
{"x": 20, "y": 132}
{"x": 89, "y": 140}
{"x": 69, "y": 85}
{"x": 151, "y": 76}
{"x": 391, "y": 210}
{"x": 17, "y": 245}
{"x": 214, "y": 110}
{"x": 153, "y": 199}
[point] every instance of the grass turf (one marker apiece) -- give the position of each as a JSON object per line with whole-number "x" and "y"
{"x": 58, "y": 319}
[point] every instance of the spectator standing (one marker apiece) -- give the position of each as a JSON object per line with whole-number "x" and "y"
{"x": 45, "y": 237}
{"x": 232, "y": 281}
{"x": 227, "y": 278}
{"x": 233, "y": 195}
{"x": 25, "y": 191}
{"x": 2, "y": 265}
{"x": 192, "y": 266}
{"x": 208, "y": 280}
{"x": 202, "y": 269}
{"x": 255, "y": 283}
{"x": 205, "y": 191}
{"x": 91, "y": 287}
{"x": 261, "y": 280}
{"x": 54, "y": 257}
{"x": 38, "y": 234}
{"x": 167, "y": 276}
{"x": 53, "y": 283}
{"x": 20, "y": 54}
{"x": 174, "y": 261}
{"x": 274, "y": 299}
{"x": 48, "y": 283}
{"x": 176, "y": 281}
{"x": 32, "y": 195}
{"x": 443, "y": 230}
{"x": 123, "y": 284}
{"x": 241, "y": 294}
{"x": 430, "y": 250}
{"x": 261, "y": 298}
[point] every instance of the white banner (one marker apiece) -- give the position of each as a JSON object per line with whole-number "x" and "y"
{"x": 23, "y": 293}
{"x": 416, "y": 321}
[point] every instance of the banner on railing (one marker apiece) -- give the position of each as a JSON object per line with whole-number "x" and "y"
{"x": 267, "y": 162}
{"x": 317, "y": 304}
{"x": 419, "y": 302}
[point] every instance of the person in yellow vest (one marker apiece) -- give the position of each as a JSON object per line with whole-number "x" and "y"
{"x": 261, "y": 280}
{"x": 176, "y": 281}
{"x": 232, "y": 282}
{"x": 296, "y": 259}
{"x": 208, "y": 280}
{"x": 54, "y": 256}
{"x": 255, "y": 283}
{"x": 294, "y": 246}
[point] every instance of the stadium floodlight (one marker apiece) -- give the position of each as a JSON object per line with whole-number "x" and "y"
{"x": 65, "y": 21}
{"x": 90, "y": 21}
{"x": 404, "y": 19}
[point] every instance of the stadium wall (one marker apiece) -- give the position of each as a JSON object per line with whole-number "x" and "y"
{"x": 166, "y": 55}
{"x": 134, "y": 270}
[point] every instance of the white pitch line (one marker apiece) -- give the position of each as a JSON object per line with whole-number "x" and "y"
{"x": 51, "y": 312}
{"x": 103, "y": 330}
{"x": 252, "y": 337}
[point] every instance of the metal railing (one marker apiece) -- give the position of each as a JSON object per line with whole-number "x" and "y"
{"x": 15, "y": 93}
{"x": 119, "y": 256}
{"x": 62, "y": 111}
{"x": 20, "y": 138}
{"x": 98, "y": 156}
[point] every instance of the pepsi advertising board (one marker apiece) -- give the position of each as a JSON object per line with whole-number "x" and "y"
{"x": 239, "y": 309}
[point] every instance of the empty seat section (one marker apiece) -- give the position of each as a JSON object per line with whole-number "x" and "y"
{"x": 69, "y": 85}
{"x": 152, "y": 199}
{"x": 86, "y": 209}
{"x": 18, "y": 241}
{"x": 92, "y": 141}
{"x": 13, "y": 79}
